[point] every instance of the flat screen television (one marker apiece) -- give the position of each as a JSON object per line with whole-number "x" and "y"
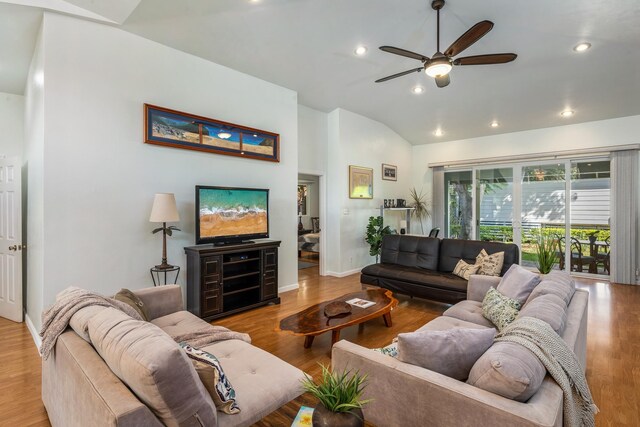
{"x": 231, "y": 215}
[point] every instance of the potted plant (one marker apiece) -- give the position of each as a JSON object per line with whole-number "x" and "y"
{"x": 546, "y": 252}
{"x": 340, "y": 398}
{"x": 375, "y": 232}
{"x": 420, "y": 206}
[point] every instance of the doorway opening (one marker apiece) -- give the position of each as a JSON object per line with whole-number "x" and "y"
{"x": 309, "y": 228}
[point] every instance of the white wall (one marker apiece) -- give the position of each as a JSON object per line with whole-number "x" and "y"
{"x": 360, "y": 141}
{"x": 33, "y": 184}
{"x": 100, "y": 176}
{"x": 11, "y": 124}
{"x": 312, "y": 140}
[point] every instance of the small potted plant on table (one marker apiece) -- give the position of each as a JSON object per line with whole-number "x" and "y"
{"x": 340, "y": 399}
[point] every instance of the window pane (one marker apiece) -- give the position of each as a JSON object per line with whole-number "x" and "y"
{"x": 458, "y": 210}
{"x": 494, "y": 189}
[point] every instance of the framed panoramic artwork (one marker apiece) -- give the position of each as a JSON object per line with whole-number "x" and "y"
{"x": 182, "y": 130}
{"x": 360, "y": 182}
{"x": 389, "y": 172}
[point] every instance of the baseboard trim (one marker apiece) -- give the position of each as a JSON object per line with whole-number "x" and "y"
{"x": 344, "y": 273}
{"x": 32, "y": 329}
{"x": 288, "y": 288}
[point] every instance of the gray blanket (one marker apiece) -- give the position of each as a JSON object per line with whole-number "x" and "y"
{"x": 561, "y": 363}
{"x": 55, "y": 319}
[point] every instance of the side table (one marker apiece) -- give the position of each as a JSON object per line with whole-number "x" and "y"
{"x": 156, "y": 273}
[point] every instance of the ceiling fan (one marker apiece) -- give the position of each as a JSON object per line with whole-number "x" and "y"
{"x": 440, "y": 64}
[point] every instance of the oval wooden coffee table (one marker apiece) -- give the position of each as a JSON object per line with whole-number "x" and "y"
{"x": 313, "y": 321}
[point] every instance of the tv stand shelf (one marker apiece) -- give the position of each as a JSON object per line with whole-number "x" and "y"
{"x": 223, "y": 280}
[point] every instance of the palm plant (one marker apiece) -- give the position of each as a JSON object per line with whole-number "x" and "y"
{"x": 375, "y": 232}
{"x": 338, "y": 392}
{"x": 420, "y": 206}
{"x": 546, "y": 252}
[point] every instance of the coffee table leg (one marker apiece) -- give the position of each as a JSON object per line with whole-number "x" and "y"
{"x": 308, "y": 340}
{"x": 335, "y": 336}
{"x": 387, "y": 320}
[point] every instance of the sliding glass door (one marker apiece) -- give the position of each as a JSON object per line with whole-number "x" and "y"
{"x": 565, "y": 201}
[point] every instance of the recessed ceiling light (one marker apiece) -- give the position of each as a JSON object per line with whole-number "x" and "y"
{"x": 360, "y": 50}
{"x": 438, "y": 132}
{"x": 582, "y": 47}
{"x": 417, "y": 89}
{"x": 494, "y": 124}
{"x": 567, "y": 113}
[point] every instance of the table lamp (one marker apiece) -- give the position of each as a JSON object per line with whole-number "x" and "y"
{"x": 164, "y": 210}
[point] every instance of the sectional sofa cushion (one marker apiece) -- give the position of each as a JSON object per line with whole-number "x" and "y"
{"x": 409, "y": 251}
{"x": 79, "y": 322}
{"x": 154, "y": 367}
{"x": 452, "y": 352}
{"x": 549, "y": 308}
{"x": 558, "y": 283}
{"x": 510, "y": 370}
{"x": 499, "y": 309}
{"x": 470, "y": 311}
{"x": 517, "y": 283}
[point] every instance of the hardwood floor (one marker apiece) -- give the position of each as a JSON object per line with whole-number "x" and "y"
{"x": 613, "y": 355}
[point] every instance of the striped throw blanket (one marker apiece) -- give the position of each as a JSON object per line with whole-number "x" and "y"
{"x": 561, "y": 363}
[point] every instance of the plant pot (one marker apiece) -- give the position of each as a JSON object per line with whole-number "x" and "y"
{"x": 322, "y": 417}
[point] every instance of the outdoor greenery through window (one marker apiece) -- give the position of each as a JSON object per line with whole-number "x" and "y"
{"x": 521, "y": 203}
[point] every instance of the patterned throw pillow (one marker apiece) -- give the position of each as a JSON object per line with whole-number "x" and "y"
{"x": 129, "y": 298}
{"x": 490, "y": 265}
{"x": 213, "y": 378}
{"x": 391, "y": 350}
{"x": 464, "y": 270}
{"x": 499, "y": 309}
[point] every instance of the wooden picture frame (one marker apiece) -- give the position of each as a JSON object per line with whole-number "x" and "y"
{"x": 171, "y": 128}
{"x": 389, "y": 172}
{"x": 360, "y": 182}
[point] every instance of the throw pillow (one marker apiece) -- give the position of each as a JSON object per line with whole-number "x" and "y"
{"x": 464, "y": 270}
{"x": 499, "y": 309}
{"x": 510, "y": 370}
{"x": 517, "y": 283}
{"x": 391, "y": 350}
{"x": 131, "y": 299}
{"x": 452, "y": 352}
{"x": 490, "y": 265}
{"x": 212, "y": 376}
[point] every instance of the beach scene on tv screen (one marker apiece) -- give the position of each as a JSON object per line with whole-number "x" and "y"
{"x": 226, "y": 212}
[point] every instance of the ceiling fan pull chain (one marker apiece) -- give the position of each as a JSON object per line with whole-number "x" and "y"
{"x": 438, "y": 37}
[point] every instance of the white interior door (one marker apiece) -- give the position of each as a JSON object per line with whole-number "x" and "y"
{"x": 10, "y": 240}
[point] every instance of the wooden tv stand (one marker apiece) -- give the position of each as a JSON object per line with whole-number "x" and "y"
{"x": 223, "y": 280}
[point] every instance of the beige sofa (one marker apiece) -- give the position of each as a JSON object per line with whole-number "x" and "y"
{"x": 79, "y": 389}
{"x": 408, "y": 395}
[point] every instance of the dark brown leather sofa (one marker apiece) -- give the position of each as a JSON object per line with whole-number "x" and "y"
{"x": 422, "y": 266}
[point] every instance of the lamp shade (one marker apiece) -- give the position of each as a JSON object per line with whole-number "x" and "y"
{"x": 164, "y": 208}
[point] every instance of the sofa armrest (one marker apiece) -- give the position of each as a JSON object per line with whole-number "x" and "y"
{"x": 161, "y": 300}
{"x": 479, "y": 285}
{"x": 406, "y": 395}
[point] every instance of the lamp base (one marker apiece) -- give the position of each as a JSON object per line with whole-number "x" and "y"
{"x": 164, "y": 266}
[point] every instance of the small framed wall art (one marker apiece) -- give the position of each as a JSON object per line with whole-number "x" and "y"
{"x": 389, "y": 172}
{"x": 182, "y": 130}
{"x": 360, "y": 182}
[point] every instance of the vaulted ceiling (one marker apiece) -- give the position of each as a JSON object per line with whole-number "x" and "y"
{"x": 308, "y": 46}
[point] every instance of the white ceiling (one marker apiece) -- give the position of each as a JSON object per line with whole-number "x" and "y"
{"x": 307, "y": 45}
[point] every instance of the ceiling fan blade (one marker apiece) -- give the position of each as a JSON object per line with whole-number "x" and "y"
{"x": 384, "y": 79}
{"x": 494, "y": 58}
{"x": 404, "y": 52}
{"x": 472, "y": 35}
{"x": 442, "y": 81}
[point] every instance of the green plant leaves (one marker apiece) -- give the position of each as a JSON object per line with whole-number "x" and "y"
{"x": 338, "y": 391}
{"x": 546, "y": 248}
{"x": 375, "y": 232}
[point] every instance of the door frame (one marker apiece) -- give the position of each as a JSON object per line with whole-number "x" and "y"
{"x": 322, "y": 208}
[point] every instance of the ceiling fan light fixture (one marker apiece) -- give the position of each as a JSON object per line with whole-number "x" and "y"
{"x": 440, "y": 67}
